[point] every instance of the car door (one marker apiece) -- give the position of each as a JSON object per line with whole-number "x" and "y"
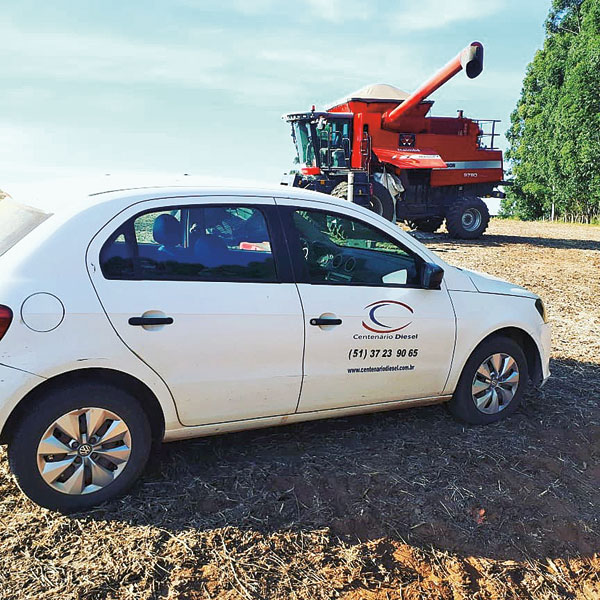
{"x": 373, "y": 334}
{"x": 201, "y": 290}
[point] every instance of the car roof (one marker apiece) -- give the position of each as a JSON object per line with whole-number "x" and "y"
{"x": 73, "y": 194}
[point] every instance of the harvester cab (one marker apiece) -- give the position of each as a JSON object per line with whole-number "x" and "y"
{"x": 379, "y": 147}
{"x": 323, "y": 140}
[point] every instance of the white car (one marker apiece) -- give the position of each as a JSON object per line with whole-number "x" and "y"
{"x": 142, "y": 315}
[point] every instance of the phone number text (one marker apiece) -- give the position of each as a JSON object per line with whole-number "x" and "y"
{"x": 364, "y": 353}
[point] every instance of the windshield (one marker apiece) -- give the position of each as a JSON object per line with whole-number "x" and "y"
{"x": 304, "y": 145}
{"x": 331, "y": 138}
{"x": 16, "y": 221}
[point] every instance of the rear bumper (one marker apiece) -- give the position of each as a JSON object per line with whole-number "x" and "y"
{"x": 15, "y": 384}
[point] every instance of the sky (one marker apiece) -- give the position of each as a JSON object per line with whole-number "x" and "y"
{"x": 193, "y": 86}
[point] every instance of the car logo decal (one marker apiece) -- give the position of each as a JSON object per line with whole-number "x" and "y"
{"x": 376, "y": 322}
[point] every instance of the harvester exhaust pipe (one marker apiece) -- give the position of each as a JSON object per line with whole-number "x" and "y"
{"x": 470, "y": 59}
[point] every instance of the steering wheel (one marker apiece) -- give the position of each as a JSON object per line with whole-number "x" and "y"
{"x": 321, "y": 253}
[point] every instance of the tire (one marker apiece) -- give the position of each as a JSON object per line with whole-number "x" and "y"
{"x": 468, "y": 218}
{"x": 464, "y": 404}
{"x": 430, "y": 225}
{"x": 92, "y": 467}
{"x": 381, "y": 202}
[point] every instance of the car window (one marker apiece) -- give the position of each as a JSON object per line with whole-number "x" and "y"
{"x": 341, "y": 250}
{"x": 208, "y": 243}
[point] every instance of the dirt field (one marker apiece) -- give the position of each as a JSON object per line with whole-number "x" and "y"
{"x": 403, "y": 505}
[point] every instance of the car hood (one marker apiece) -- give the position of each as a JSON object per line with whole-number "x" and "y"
{"x": 487, "y": 284}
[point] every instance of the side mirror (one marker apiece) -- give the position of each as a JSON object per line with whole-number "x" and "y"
{"x": 431, "y": 276}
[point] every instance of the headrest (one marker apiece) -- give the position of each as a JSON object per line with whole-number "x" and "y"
{"x": 167, "y": 230}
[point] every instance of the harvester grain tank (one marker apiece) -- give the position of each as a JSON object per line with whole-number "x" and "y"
{"x": 379, "y": 148}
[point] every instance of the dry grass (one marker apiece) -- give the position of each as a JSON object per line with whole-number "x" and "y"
{"x": 397, "y": 505}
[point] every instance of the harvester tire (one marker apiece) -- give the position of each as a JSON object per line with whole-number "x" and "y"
{"x": 468, "y": 218}
{"x": 381, "y": 202}
{"x": 430, "y": 225}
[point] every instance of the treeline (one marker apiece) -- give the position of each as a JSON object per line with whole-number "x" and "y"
{"x": 554, "y": 138}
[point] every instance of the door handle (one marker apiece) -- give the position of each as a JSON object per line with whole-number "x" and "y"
{"x": 322, "y": 321}
{"x": 140, "y": 321}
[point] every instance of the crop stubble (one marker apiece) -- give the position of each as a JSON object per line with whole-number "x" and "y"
{"x": 392, "y": 506}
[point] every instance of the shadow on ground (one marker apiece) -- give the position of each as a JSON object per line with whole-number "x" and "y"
{"x": 495, "y": 240}
{"x": 415, "y": 476}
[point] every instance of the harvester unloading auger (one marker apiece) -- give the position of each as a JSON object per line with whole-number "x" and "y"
{"x": 378, "y": 148}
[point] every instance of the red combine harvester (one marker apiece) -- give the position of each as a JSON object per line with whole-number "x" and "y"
{"x": 378, "y": 148}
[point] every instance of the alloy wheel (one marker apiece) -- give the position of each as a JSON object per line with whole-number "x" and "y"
{"x": 495, "y": 383}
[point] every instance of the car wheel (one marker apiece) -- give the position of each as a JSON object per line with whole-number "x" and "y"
{"x": 80, "y": 445}
{"x": 468, "y": 218}
{"x": 492, "y": 383}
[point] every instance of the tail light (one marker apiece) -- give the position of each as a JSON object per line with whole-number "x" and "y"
{"x": 6, "y": 317}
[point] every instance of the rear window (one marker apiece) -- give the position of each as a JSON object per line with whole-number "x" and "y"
{"x": 16, "y": 221}
{"x": 192, "y": 243}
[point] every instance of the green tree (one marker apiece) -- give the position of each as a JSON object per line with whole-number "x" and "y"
{"x": 554, "y": 137}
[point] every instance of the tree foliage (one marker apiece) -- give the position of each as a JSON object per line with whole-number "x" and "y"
{"x": 554, "y": 137}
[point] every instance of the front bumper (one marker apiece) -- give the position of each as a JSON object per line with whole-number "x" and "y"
{"x": 543, "y": 383}
{"x": 545, "y": 349}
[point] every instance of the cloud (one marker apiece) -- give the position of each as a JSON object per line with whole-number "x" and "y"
{"x": 340, "y": 10}
{"x": 253, "y": 7}
{"x": 401, "y": 15}
{"x": 274, "y": 69}
{"x": 22, "y": 146}
{"x": 328, "y": 10}
{"x": 106, "y": 59}
{"x": 21, "y": 141}
{"x": 436, "y": 14}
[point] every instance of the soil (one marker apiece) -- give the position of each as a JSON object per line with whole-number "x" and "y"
{"x": 402, "y": 505}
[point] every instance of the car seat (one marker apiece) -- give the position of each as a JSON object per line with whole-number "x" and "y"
{"x": 166, "y": 231}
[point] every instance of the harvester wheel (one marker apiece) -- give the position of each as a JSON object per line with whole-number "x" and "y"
{"x": 468, "y": 218}
{"x": 430, "y": 225}
{"x": 380, "y": 202}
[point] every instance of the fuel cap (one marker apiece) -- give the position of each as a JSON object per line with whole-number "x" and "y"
{"x": 42, "y": 312}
